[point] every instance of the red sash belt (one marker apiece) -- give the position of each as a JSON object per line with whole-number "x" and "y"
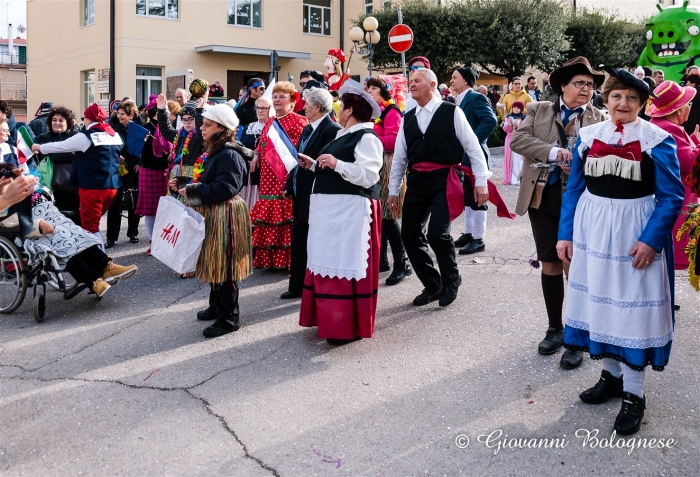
{"x": 455, "y": 192}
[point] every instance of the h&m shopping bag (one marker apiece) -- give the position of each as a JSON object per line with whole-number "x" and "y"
{"x": 178, "y": 234}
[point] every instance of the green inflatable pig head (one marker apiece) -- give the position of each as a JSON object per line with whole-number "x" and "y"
{"x": 673, "y": 40}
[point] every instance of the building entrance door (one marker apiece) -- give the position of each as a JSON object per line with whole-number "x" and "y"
{"x": 235, "y": 80}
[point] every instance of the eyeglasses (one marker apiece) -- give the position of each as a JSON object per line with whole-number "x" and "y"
{"x": 187, "y": 120}
{"x": 261, "y": 108}
{"x": 580, "y": 84}
{"x": 4, "y": 130}
{"x": 302, "y": 84}
{"x": 261, "y": 89}
{"x": 414, "y": 68}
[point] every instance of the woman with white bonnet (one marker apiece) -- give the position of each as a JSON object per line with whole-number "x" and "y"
{"x": 345, "y": 217}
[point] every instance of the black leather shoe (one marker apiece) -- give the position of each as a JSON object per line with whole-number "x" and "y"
{"x": 449, "y": 293}
{"x": 402, "y": 269}
{"x": 384, "y": 267}
{"x": 475, "y": 246}
{"x": 629, "y": 420}
{"x": 463, "y": 240}
{"x": 110, "y": 243}
{"x": 607, "y": 387}
{"x": 551, "y": 342}
{"x": 676, "y": 307}
{"x": 571, "y": 359}
{"x": 134, "y": 239}
{"x": 289, "y": 295}
{"x": 219, "y": 328}
{"x": 426, "y": 297}
{"x": 335, "y": 342}
{"x": 206, "y": 315}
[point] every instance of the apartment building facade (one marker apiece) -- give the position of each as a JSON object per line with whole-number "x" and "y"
{"x": 157, "y": 43}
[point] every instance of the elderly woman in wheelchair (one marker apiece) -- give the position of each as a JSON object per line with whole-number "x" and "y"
{"x": 52, "y": 244}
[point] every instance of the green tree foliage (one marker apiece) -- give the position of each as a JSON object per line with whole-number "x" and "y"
{"x": 604, "y": 37}
{"x": 507, "y": 37}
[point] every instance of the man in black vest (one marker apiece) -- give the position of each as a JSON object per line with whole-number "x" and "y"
{"x": 432, "y": 141}
{"x": 320, "y": 131}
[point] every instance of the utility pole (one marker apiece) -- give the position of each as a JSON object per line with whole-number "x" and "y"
{"x": 111, "y": 51}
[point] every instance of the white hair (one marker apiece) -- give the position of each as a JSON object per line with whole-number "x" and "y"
{"x": 184, "y": 92}
{"x": 430, "y": 76}
{"x": 319, "y": 97}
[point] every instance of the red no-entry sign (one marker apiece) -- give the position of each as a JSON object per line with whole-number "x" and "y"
{"x": 400, "y": 38}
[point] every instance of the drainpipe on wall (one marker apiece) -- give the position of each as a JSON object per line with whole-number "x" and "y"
{"x": 111, "y": 50}
{"x": 342, "y": 28}
{"x": 10, "y": 44}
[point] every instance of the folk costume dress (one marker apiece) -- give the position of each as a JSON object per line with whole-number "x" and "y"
{"x": 624, "y": 187}
{"x": 688, "y": 150}
{"x": 345, "y": 217}
{"x": 512, "y": 161}
{"x": 272, "y": 214}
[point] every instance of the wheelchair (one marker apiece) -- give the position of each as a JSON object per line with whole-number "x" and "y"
{"x": 16, "y": 275}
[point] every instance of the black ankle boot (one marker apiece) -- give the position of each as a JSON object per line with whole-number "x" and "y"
{"x": 629, "y": 420}
{"x": 207, "y": 315}
{"x": 219, "y": 328}
{"x": 607, "y": 387}
{"x": 402, "y": 269}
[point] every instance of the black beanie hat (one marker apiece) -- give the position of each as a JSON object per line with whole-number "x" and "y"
{"x": 469, "y": 74}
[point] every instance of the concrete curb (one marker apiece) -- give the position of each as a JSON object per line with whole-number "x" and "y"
{"x": 496, "y": 150}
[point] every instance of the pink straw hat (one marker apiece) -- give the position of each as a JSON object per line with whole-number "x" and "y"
{"x": 670, "y": 98}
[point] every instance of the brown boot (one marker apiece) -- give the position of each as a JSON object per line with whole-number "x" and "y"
{"x": 100, "y": 287}
{"x": 114, "y": 272}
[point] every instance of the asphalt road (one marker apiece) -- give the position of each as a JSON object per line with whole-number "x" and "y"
{"x": 127, "y": 386}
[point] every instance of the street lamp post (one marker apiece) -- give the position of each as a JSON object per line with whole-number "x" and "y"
{"x": 369, "y": 35}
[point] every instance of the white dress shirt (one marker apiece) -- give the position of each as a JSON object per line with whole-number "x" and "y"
{"x": 79, "y": 142}
{"x": 369, "y": 157}
{"x": 460, "y": 96}
{"x": 315, "y": 124}
{"x": 555, "y": 150}
{"x": 465, "y": 136}
{"x": 412, "y": 103}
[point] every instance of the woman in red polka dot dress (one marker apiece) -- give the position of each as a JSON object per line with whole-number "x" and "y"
{"x": 272, "y": 214}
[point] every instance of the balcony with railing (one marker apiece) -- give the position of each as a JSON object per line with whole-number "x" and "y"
{"x": 8, "y": 59}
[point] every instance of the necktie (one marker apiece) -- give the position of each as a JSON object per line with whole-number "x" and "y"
{"x": 554, "y": 176}
{"x": 568, "y": 113}
{"x": 305, "y": 136}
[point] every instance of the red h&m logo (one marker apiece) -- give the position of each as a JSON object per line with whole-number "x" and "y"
{"x": 170, "y": 234}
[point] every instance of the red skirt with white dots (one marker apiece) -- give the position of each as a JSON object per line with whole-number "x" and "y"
{"x": 272, "y": 218}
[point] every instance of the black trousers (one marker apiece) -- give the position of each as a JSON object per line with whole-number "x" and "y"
{"x": 87, "y": 266}
{"x": 391, "y": 235}
{"x": 223, "y": 299}
{"x": 65, "y": 201}
{"x": 114, "y": 218}
{"x": 425, "y": 198}
{"x": 300, "y": 235}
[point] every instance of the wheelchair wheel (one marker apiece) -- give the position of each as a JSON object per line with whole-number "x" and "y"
{"x": 67, "y": 279}
{"x": 39, "y": 307}
{"x": 13, "y": 283}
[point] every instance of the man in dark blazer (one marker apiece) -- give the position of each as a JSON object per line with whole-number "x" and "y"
{"x": 482, "y": 120}
{"x": 320, "y": 131}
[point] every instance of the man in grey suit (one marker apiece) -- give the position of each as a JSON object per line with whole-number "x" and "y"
{"x": 482, "y": 120}
{"x": 320, "y": 131}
